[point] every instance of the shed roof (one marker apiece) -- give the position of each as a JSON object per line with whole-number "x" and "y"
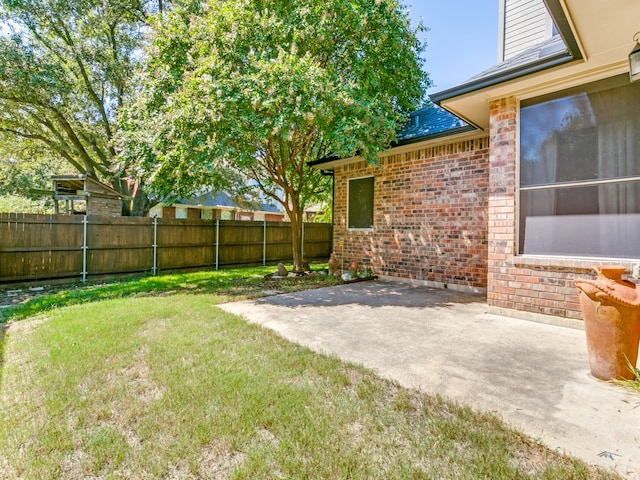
{"x": 65, "y": 184}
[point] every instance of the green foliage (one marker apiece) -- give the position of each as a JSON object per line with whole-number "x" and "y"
{"x": 25, "y": 169}
{"x": 633, "y": 384}
{"x": 65, "y": 70}
{"x": 19, "y": 204}
{"x": 327, "y": 214}
{"x": 263, "y": 87}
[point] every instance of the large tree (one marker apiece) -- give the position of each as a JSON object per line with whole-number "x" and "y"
{"x": 25, "y": 169}
{"x": 262, "y": 87}
{"x": 65, "y": 71}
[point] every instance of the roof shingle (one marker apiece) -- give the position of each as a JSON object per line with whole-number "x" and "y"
{"x": 429, "y": 121}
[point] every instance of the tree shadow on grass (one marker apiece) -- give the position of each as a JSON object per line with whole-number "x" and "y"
{"x": 231, "y": 284}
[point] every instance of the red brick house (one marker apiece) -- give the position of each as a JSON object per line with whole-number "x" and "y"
{"x": 220, "y": 206}
{"x": 518, "y": 180}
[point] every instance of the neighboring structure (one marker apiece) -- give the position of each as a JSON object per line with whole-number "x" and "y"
{"x": 220, "y": 207}
{"x": 85, "y": 195}
{"x": 223, "y": 207}
{"x": 313, "y": 212}
{"x": 539, "y": 184}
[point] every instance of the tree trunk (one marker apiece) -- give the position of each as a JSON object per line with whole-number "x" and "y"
{"x": 295, "y": 217}
{"x": 141, "y": 203}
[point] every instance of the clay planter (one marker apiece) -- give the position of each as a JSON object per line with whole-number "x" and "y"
{"x": 611, "y": 309}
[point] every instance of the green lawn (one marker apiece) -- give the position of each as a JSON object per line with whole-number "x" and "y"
{"x": 173, "y": 387}
{"x": 230, "y": 284}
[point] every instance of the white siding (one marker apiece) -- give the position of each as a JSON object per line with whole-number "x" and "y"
{"x": 156, "y": 211}
{"x": 181, "y": 212}
{"x": 524, "y": 23}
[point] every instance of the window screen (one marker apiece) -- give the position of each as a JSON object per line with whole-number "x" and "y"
{"x": 580, "y": 171}
{"x": 360, "y": 213}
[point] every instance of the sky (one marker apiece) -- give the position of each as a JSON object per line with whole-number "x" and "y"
{"x": 462, "y": 40}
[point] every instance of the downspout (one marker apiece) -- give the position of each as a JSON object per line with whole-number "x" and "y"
{"x": 333, "y": 200}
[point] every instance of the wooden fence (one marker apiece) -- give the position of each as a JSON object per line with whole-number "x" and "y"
{"x": 39, "y": 247}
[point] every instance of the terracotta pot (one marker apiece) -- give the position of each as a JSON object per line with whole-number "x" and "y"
{"x": 611, "y": 309}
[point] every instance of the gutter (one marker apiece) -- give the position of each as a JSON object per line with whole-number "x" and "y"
{"x": 546, "y": 63}
{"x": 554, "y": 7}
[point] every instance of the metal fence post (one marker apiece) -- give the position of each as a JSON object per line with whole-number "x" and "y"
{"x": 84, "y": 249}
{"x": 264, "y": 243}
{"x": 155, "y": 246}
{"x": 217, "y": 244}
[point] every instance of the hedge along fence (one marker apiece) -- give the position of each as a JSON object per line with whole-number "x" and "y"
{"x": 38, "y": 247}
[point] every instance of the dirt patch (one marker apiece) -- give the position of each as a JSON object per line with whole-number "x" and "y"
{"x": 12, "y": 296}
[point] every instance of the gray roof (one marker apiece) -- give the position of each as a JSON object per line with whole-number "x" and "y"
{"x": 430, "y": 121}
{"x": 543, "y": 50}
{"x": 547, "y": 54}
{"x": 226, "y": 200}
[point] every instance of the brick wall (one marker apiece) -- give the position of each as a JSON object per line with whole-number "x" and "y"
{"x": 194, "y": 213}
{"x": 502, "y": 184}
{"x": 274, "y": 217}
{"x": 430, "y": 215}
{"x": 532, "y": 284}
{"x": 168, "y": 212}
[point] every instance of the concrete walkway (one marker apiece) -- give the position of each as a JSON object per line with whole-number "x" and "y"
{"x": 534, "y": 376}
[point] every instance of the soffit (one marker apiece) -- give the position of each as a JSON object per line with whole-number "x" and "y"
{"x": 604, "y": 28}
{"x": 604, "y": 34}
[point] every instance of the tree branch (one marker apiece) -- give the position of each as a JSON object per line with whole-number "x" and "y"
{"x": 47, "y": 142}
{"x": 82, "y": 152}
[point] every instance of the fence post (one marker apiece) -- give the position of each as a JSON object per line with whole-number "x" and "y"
{"x": 302, "y": 241}
{"x": 84, "y": 249}
{"x": 217, "y": 243}
{"x": 264, "y": 243}
{"x": 155, "y": 246}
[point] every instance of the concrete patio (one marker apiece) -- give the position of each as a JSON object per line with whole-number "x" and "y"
{"x": 534, "y": 376}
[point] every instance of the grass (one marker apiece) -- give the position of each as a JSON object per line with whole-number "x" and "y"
{"x": 173, "y": 387}
{"x": 634, "y": 384}
{"x": 231, "y": 284}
